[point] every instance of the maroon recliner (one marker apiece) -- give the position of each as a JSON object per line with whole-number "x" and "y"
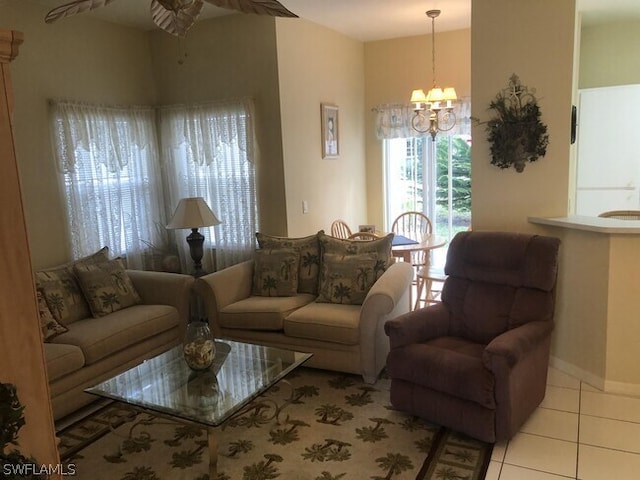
{"x": 477, "y": 362}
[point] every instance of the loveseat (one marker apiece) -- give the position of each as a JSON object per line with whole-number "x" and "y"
{"x": 99, "y": 319}
{"x": 322, "y": 295}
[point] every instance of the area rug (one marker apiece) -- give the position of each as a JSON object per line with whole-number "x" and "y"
{"x": 337, "y": 427}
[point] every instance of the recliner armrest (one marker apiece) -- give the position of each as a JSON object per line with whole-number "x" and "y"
{"x": 514, "y": 344}
{"x": 418, "y": 326}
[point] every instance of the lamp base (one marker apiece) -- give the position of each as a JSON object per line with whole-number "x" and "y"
{"x": 195, "y": 240}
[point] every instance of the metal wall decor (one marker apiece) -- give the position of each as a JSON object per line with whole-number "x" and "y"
{"x": 516, "y": 134}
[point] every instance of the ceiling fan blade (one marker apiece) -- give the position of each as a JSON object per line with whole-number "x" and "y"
{"x": 175, "y": 22}
{"x": 259, "y": 7}
{"x": 72, "y": 8}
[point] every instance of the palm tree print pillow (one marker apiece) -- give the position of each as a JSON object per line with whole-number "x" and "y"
{"x": 380, "y": 247}
{"x": 308, "y": 250}
{"x": 346, "y": 279}
{"x": 107, "y": 287}
{"x": 275, "y": 273}
{"x": 48, "y": 324}
{"x": 62, "y": 292}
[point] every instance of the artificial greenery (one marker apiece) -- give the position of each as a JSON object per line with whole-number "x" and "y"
{"x": 516, "y": 133}
{"x": 11, "y": 421}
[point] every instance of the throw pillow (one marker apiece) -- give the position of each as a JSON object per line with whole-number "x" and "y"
{"x": 275, "y": 273}
{"x": 309, "y": 252}
{"x": 380, "y": 247}
{"x": 107, "y": 287}
{"x": 100, "y": 256}
{"x": 62, "y": 292}
{"x": 346, "y": 278}
{"x": 49, "y": 326}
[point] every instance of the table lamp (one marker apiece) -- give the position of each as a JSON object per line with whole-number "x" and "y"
{"x": 194, "y": 213}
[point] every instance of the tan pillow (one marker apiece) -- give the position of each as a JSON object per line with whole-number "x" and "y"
{"x": 381, "y": 248}
{"x": 309, "y": 253}
{"x": 48, "y": 324}
{"x": 62, "y": 292}
{"x": 107, "y": 287}
{"x": 346, "y": 279}
{"x": 100, "y": 256}
{"x": 275, "y": 273}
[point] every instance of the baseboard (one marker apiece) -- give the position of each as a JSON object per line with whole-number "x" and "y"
{"x": 608, "y": 386}
{"x": 630, "y": 389}
{"x": 577, "y": 372}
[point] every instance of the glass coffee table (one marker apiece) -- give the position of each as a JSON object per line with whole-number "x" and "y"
{"x": 165, "y": 385}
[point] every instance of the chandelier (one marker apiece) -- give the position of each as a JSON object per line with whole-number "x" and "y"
{"x": 433, "y": 111}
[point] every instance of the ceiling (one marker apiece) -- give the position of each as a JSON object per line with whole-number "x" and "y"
{"x": 360, "y": 19}
{"x": 365, "y": 20}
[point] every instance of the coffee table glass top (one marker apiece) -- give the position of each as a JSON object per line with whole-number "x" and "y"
{"x": 165, "y": 384}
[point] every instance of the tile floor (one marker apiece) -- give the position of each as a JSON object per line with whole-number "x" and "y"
{"x": 577, "y": 432}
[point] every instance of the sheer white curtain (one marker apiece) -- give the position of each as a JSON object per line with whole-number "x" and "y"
{"x": 394, "y": 120}
{"x": 209, "y": 151}
{"x": 110, "y": 175}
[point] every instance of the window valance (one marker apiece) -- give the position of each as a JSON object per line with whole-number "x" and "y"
{"x": 206, "y": 129}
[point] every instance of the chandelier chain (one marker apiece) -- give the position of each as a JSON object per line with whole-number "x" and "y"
{"x": 433, "y": 48}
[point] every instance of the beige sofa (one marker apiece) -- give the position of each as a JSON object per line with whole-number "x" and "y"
{"x": 94, "y": 349}
{"x": 345, "y": 338}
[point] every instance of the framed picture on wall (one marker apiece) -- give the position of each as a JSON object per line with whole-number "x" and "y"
{"x": 330, "y": 138}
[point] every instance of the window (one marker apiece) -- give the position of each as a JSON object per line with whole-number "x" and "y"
{"x": 109, "y": 166}
{"x": 208, "y": 152}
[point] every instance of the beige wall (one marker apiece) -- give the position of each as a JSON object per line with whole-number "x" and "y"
{"x": 317, "y": 65}
{"x": 580, "y": 336}
{"x": 231, "y": 57}
{"x": 80, "y": 59}
{"x": 393, "y": 68}
{"x": 609, "y": 55}
{"x": 521, "y": 37}
{"x": 623, "y": 328}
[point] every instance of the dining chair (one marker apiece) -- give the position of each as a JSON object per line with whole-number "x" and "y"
{"x": 621, "y": 214}
{"x": 414, "y": 225}
{"x": 340, "y": 229}
{"x": 429, "y": 280}
{"x": 363, "y": 236}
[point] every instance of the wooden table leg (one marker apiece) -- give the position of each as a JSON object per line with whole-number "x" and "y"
{"x": 213, "y": 454}
{"x": 419, "y": 286}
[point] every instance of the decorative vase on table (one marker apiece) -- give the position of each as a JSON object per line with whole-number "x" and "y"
{"x": 198, "y": 346}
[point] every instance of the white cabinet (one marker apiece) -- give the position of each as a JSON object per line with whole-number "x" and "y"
{"x": 608, "y": 165}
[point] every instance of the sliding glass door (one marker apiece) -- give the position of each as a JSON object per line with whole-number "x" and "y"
{"x": 430, "y": 177}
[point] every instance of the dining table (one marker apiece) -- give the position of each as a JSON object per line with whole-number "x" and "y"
{"x": 403, "y": 246}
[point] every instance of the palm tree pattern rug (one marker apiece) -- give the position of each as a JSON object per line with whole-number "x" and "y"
{"x": 337, "y": 427}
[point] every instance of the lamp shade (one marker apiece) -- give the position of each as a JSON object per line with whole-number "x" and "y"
{"x": 435, "y": 95}
{"x": 193, "y": 213}
{"x": 418, "y": 96}
{"x": 450, "y": 94}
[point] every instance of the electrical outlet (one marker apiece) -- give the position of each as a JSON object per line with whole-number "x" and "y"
{"x": 305, "y": 206}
